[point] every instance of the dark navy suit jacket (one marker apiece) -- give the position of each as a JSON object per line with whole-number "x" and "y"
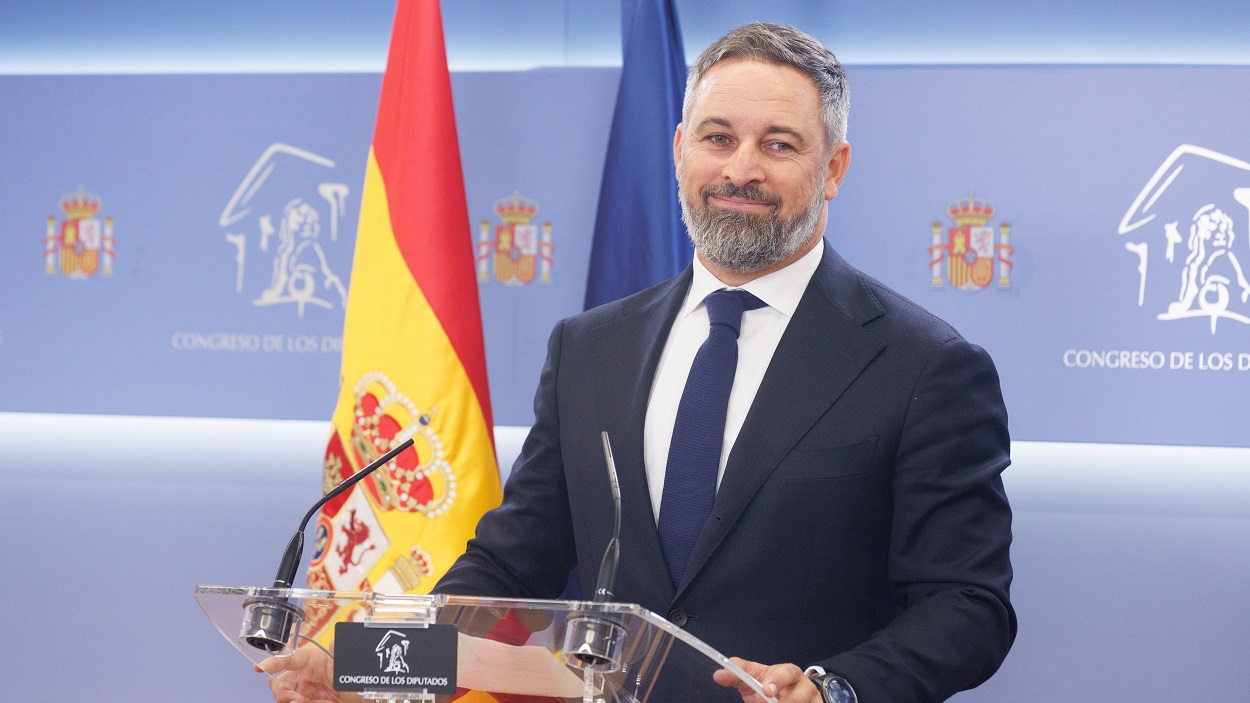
{"x": 861, "y": 522}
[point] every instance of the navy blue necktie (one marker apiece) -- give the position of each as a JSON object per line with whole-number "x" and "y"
{"x": 699, "y": 431}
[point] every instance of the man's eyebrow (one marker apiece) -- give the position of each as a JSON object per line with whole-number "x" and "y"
{"x": 772, "y": 129}
{"x": 797, "y": 137}
{"x": 712, "y": 122}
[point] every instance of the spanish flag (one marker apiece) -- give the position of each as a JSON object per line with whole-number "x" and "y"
{"x": 413, "y": 357}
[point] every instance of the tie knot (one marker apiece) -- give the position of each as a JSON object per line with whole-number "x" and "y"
{"x": 725, "y": 307}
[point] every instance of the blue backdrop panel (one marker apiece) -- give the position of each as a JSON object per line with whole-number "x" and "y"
{"x": 538, "y": 137}
{"x": 1063, "y": 153}
{"x": 1088, "y": 226}
{"x": 184, "y": 325}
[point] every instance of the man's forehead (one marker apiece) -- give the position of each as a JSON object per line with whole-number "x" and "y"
{"x": 717, "y": 89}
{"x": 709, "y": 76}
{"x": 714, "y": 77}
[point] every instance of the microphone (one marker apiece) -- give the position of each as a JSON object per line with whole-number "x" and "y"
{"x": 594, "y": 642}
{"x": 605, "y": 587}
{"x": 270, "y": 620}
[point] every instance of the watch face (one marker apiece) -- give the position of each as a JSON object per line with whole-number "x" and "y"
{"x": 835, "y": 689}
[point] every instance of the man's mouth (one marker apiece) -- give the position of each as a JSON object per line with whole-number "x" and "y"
{"x": 748, "y": 200}
{"x": 743, "y": 204}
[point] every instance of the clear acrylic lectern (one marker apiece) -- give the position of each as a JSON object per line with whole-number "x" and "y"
{"x": 519, "y": 651}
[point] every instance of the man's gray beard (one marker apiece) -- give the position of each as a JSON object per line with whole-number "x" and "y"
{"x": 743, "y": 242}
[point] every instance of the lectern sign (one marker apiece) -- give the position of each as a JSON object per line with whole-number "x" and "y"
{"x": 394, "y": 658}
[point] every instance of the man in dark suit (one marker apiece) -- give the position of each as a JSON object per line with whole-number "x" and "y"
{"x": 852, "y": 537}
{"x": 809, "y": 463}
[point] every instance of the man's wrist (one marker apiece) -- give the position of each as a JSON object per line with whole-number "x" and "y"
{"x": 833, "y": 688}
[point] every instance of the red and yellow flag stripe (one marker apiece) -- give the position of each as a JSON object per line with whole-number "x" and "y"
{"x": 413, "y": 334}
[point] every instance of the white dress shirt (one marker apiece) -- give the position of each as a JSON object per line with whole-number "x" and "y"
{"x": 761, "y": 332}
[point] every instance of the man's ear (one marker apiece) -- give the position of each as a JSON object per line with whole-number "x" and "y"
{"x": 835, "y": 170}
{"x": 677, "y": 149}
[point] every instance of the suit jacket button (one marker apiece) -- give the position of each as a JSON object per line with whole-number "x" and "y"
{"x": 678, "y": 617}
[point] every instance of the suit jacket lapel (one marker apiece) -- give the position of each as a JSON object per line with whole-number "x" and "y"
{"x": 823, "y": 350}
{"x": 624, "y": 387}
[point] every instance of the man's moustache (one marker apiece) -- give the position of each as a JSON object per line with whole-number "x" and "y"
{"x": 728, "y": 190}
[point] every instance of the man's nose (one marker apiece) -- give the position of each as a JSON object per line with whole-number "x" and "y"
{"x": 744, "y": 166}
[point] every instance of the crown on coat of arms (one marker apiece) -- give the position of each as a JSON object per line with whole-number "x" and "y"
{"x": 411, "y": 569}
{"x": 420, "y": 480}
{"x": 516, "y": 210}
{"x": 81, "y": 205}
{"x": 970, "y": 212}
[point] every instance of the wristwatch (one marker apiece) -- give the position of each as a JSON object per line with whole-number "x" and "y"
{"x": 833, "y": 688}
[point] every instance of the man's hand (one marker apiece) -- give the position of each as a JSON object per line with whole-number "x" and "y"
{"x": 785, "y": 682}
{"x": 307, "y": 676}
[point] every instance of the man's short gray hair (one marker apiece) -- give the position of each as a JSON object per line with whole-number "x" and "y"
{"x": 783, "y": 46}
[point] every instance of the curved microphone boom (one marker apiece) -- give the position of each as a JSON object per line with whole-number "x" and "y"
{"x": 595, "y": 642}
{"x": 606, "y": 586}
{"x": 290, "y": 559}
{"x": 271, "y": 619}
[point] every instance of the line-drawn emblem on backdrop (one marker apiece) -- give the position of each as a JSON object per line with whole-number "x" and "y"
{"x": 80, "y": 246}
{"x": 1190, "y": 237}
{"x": 287, "y": 212}
{"x": 969, "y": 248}
{"x": 518, "y": 250}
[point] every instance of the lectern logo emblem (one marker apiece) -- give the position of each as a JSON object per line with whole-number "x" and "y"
{"x": 392, "y": 651}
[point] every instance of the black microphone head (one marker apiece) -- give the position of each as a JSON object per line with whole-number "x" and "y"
{"x": 593, "y": 643}
{"x": 271, "y": 624}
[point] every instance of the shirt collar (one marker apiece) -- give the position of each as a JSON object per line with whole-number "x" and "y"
{"x": 781, "y": 290}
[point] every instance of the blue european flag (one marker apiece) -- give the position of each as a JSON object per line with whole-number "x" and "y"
{"x": 639, "y": 237}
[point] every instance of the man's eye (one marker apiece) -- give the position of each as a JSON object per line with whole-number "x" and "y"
{"x": 780, "y": 146}
{"x": 719, "y": 139}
